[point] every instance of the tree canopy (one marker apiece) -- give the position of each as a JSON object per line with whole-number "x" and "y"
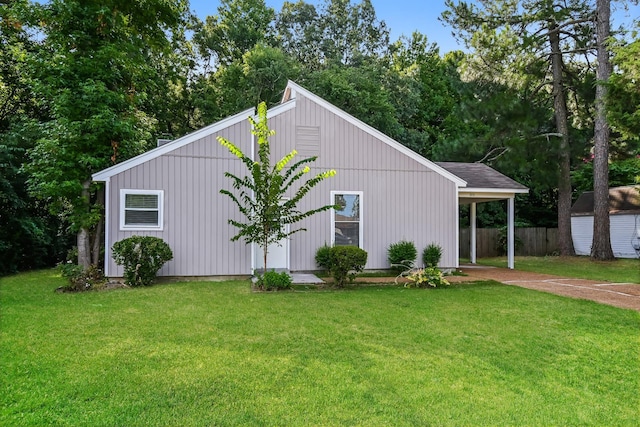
{"x": 84, "y": 85}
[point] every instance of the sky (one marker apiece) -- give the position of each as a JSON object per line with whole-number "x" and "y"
{"x": 403, "y": 17}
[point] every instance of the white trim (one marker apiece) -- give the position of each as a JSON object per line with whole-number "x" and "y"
{"x": 332, "y": 239}
{"x": 511, "y": 232}
{"x": 457, "y": 217}
{"x": 171, "y": 146}
{"x": 470, "y": 191}
{"x": 106, "y": 218}
{"x": 139, "y": 227}
{"x": 295, "y": 88}
{"x": 281, "y": 108}
{"x": 473, "y": 231}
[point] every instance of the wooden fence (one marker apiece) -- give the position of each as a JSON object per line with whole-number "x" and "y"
{"x": 532, "y": 241}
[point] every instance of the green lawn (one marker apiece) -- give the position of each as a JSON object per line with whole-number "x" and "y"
{"x": 620, "y": 270}
{"x": 203, "y": 353}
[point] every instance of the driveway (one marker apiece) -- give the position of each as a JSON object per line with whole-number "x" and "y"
{"x": 623, "y": 295}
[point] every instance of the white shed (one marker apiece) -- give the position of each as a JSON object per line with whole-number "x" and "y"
{"x": 624, "y": 215}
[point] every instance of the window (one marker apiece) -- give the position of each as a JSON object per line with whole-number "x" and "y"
{"x": 141, "y": 209}
{"x": 346, "y": 221}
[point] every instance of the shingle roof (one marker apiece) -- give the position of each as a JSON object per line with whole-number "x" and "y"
{"x": 621, "y": 200}
{"x": 479, "y": 175}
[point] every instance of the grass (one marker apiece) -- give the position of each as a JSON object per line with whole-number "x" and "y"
{"x": 619, "y": 270}
{"x": 203, "y": 353}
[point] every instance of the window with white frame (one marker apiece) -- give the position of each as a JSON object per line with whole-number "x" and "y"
{"x": 141, "y": 209}
{"x": 346, "y": 220}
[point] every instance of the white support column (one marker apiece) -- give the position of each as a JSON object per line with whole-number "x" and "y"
{"x": 511, "y": 232}
{"x": 472, "y": 233}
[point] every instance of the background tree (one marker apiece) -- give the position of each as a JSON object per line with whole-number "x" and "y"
{"x": 601, "y": 245}
{"x": 623, "y": 100}
{"x": 235, "y": 30}
{"x": 298, "y": 34}
{"x": 338, "y": 33}
{"x": 261, "y": 194}
{"x": 95, "y": 68}
{"x": 527, "y": 45}
{"x": 29, "y": 236}
{"x": 260, "y": 76}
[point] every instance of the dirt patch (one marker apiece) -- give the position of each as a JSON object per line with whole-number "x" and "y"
{"x": 622, "y": 295}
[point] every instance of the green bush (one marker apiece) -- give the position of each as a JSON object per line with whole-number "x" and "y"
{"x": 80, "y": 279}
{"x": 323, "y": 257}
{"x": 423, "y": 277}
{"x": 402, "y": 255}
{"x": 431, "y": 255}
{"x": 346, "y": 262}
{"x": 502, "y": 242}
{"x": 273, "y": 281}
{"x": 142, "y": 257}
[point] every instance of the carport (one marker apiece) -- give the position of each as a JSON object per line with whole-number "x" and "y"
{"x": 485, "y": 184}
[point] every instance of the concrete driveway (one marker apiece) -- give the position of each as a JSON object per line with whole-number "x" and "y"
{"x": 623, "y": 295}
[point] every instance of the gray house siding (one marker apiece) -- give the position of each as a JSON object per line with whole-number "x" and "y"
{"x": 195, "y": 213}
{"x": 402, "y": 199}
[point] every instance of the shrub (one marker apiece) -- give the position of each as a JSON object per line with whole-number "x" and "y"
{"x": 402, "y": 255}
{"x": 346, "y": 262}
{"x": 501, "y": 243}
{"x": 273, "y": 281}
{"x": 423, "y": 277}
{"x": 142, "y": 257}
{"x": 431, "y": 255}
{"x": 323, "y": 257}
{"x": 80, "y": 279}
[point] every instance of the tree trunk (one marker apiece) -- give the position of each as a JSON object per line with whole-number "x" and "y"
{"x": 83, "y": 238}
{"x": 601, "y": 245}
{"x": 97, "y": 237}
{"x": 265, "y": 252}
{"x": 82, "y": 241}
{"x": 560, "y": 110}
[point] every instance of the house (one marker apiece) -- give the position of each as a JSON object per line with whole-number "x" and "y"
{"x": 388, "y": 193}
{"x": 624, "y": 217}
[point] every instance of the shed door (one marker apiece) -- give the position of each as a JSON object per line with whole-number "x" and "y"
{"x": 277, "y": 256}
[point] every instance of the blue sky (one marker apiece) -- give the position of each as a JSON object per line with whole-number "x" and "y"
{"x": 402, "y": 17}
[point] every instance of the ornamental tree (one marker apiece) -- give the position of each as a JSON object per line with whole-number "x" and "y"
{"x": 260, "y": 195}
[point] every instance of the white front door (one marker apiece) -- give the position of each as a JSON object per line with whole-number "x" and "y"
{"x": 277, "y": 256}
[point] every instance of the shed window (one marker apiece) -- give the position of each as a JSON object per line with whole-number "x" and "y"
{"x": 346, "y": 221}
{"x": 141, "y": 209}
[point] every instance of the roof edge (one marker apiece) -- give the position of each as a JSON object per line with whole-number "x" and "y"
{"x": 496, "y": 190}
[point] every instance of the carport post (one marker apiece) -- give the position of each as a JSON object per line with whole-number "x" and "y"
{"x": 472, "y": 234}
{"x": 511, "y": 212}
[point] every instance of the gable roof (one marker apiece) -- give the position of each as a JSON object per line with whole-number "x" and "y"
{"x": 288, "y": 102}
{"x": 621, "y": 200}
{"x": 482, "y": 177}
{"x": 293, "y": 88}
